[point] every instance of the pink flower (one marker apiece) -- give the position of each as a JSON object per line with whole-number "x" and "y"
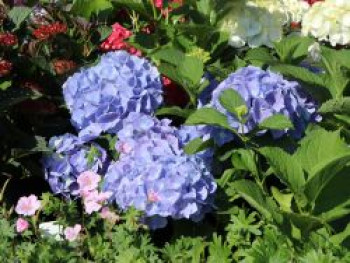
{"x": 93, "y": 201}
{"x": 88, "y": 181}
{"x": 21, "y": 225}
{"x": 109, "y": 215}
{"x": 116, "y": 40}
{"x": 27, "y": 206}
{"x": 72, "y": 233}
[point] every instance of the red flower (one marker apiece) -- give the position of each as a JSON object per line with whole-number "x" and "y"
{"x": 116, "y": 40}
{"x": 46, "y": 31}
{"x": 311, "y": 2}
{"x": 174, "y": 95}
{"x": 5, "y": 67}
{"x": 8, "y": 39}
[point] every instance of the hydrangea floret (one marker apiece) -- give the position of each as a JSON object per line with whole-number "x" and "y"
{"x": 100, "y": 97}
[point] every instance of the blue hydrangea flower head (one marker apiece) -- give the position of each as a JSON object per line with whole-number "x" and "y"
{"x": 100, "y": 97}
{"x": 71, "y": 157}
{"x": 154, "y": 174}
{"x": 266, "y": 94}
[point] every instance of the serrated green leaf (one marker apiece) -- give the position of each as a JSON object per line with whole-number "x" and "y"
{"x": 315, "y": 84}
{"x": 245, "y": 159}
{"x": 313, "y": 150}
{"x": 232, "y": 101}
{"x": 170, "y": 55}
{"x": 259, "y": 56}
{"x": 285, "y": 167}
{"x": 276, "y": 122}
{"x": 284, "y": 200}
{"x": 19, "y": 14}
{"x": 191, "y": 69}
{"x": 208, "y": 116}
{"x": 292, "y": 48}
{"x": 104, "y": 31}
{"x": 251, "y": 192}
{"x": 323, "y": 174}
{"x": 197, "y": 145}
{"x": 339, "y": 106}
{"x": 86, "y": 8}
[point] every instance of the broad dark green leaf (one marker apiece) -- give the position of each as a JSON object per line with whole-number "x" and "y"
{"x": 339, "y": 106}
{"x": 276, "y": 122}
{"x": 208, "y": 116}
{"x": 245, "y": 159}
{"x": 319, "y": 147}
{"x": 86, "y": 8}
{"x": 252, "y": 193}
{"x": 315, "y": 84}
{"x": 292, "y": 48}
{"x": 286, "y": 167}
{"x": 197, "y": 145}
{"x": 233, "y": 102}
{"x": 191, "y": 69}
{"x": 323, "y": 174}
{"x": 19, "y": 14}
{"x": 170, "y": 55}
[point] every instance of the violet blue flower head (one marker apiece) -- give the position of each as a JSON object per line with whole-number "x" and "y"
{"x": 265, "y": 94}
{"x": 154, "y": 174}
{"x": 100, "y": 97}
{"x": 70, "y": 158}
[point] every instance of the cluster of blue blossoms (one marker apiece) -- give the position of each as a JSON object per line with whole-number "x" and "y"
{"x": 153, "y": 174}
{"x": 69, "y": 159}
{"x": 266, "y": 94}
{"x": 100, "y": 97}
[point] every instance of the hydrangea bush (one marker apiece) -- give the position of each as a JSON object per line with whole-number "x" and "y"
{"x": 174, "y": 131}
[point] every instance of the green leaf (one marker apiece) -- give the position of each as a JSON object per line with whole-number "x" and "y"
{"x": 208, "y": 116}
{"x": 19, "y": 14}
{"x": 174, "y": 111}
{"x": 251, "y": 192}
{"x": 335, "y": 194}
{"x": 323, "y": 174}
{"x": 86, "y": 8}
{"x": 292, "y": 48}
{"x": 197, "y": 145}
{"x": 170, "y": 55}
{"x": 318, "y": 147}
{"x": 315, "y": 84}
{"x": 338, "y": 239}
{"x": 285, "y": 167}
{"x": 245, "y": 159}
{"x": 104, "y": 31}
{"x": 233, "y": 102}
{"x": 284, "y": 200}
{"x": 139, "y": 6}
{"x": 339, "y": 106}
{"x": 192, "y": 69}
{"x": 259, "y": 56}
{"x": 5, "y": 85}
{"x": 276, "y": 122}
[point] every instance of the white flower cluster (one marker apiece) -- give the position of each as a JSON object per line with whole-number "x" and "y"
{"x": 294, "y": 9}
{"x": 328, "y": 21}
{"x": 261, "y": 22}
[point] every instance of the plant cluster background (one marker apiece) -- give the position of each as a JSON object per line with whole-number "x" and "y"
{"x": 175, "y": 131}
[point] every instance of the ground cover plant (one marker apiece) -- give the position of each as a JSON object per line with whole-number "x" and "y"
{"x": 175, "y": 131}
